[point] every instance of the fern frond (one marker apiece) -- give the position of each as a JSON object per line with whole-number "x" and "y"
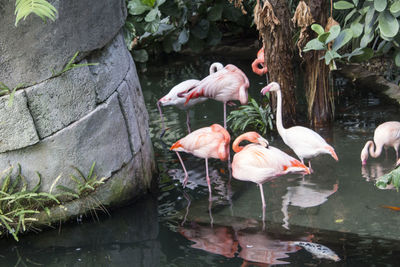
{"x": 41, "y": 8}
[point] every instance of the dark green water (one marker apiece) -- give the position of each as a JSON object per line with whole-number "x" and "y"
{"x": 337, "y": 206}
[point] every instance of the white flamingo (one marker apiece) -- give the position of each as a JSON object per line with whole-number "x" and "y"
{"x": 386, "y": 135}
{"x": 303, "y": 141}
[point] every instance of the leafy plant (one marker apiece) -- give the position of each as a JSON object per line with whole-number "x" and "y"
{"x": 84, "y": 184}
{"x": 175, "y": 24}
{"x": 391, "y": 178}
{"x": 252, "y": 116}
{"x": 373, "y": 27}
{"x": 41, "y": 8}
{"x": 18, "y": 204}
{"x": 71, "y": 65}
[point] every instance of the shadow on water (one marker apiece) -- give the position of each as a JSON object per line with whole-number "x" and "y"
{"x": 337, "y": 210}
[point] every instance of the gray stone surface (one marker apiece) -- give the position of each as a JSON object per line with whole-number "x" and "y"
{"x": 140, "y": 108}
{"x": 33, "y": 49}
{"x": 127, "y": 101}
{"x": 17, "y": 128}
{"x": 100, "y": 136}
{"x": 114, "y": 61}
{"x": 57, "y": 102}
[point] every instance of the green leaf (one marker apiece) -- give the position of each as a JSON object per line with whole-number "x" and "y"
{"x": 343, "y": 38}
{"x": 136, "y": 7}
{"x": 388, "y": 25}
{"x": 366, "y": 39}
{"x": 397, "y": 58}
{"x": 323, "y": 37}
{"x": 41, "y": 8}
{"x": 360, "y": 55}
{"x": 334, "y": 32}
{"x": 314, "y": 44}
{"x": 200, "y": 30}
{"x": 317, "y": 28}
{"x": 370, "y": 18}
{"x": 152, "y": 27}
{"x": 214, "y": 35}
{"x": 152, "y": 15}
{"x": 183, "y": 36}
{"x": 348, "y": 16}
{"x": 380, "y": 5}
{"x": 395, "y": 7}
{"x": 343, "y": 5}
{"x": 357, "y": 29}
{"x": 215, "y": 12}
{"x": 148, "y": 2}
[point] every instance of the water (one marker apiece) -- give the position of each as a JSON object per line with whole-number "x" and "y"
{"x": 337, "y": 206}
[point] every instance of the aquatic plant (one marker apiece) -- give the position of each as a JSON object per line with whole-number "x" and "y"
{"x": 391, "y": 178}
{"x": 252, "y": 116}
{"x": 84, "y": 184}
{"x": 71, "y": 65}
{"x": 5, "y": 90}
{"x": 18, "y": 204}
{"x": 42, "y": 8}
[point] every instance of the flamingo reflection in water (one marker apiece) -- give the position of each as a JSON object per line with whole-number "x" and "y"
{"x": 305, "y": 195}
{"x": 242, "y": 239}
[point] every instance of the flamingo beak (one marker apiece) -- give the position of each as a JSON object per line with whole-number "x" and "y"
{"x": 262, "y": 141}
{"x": 364, "y": 162}
{"x": 265, "y": 90}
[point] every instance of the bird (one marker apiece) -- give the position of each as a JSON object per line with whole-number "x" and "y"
{"x": 172, "y": 98}
{"x": 206, "y": 142}
{"x": 303, "y": 141}
{"x": 259, "y": 162}
{"x": 259, "y": 61}
{"x": 228, "y": 83}
{"x": 386, "y": 135}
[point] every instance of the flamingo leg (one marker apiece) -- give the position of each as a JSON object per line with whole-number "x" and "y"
{"x": 225, "y": 115}
{"x": 208, "y": 179}
{"x": 188, "y": 120}
{"x": 263, "y": 201}
{"x": 184, "y": 169}
{"x": 309, "y": 166}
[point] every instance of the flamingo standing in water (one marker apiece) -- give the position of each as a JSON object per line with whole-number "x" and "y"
{"x": 259, "y": 62}
{"x": 386, "y": 135}
{"x": 229, "y": 83}
{"x": 258, "y": 162}
{"x": 172, "y": 98}
{"x": 303, "y": 141}
{"x": 207, "y": 142}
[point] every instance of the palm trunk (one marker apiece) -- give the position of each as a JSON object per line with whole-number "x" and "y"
{"x": 273, "y": 23}
{"x": 318, "y": 88}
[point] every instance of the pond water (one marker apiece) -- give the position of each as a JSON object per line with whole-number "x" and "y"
{"x": 337, "y": 206}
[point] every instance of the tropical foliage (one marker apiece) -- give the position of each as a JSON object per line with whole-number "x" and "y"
{"x": 18, "y": 204}
{"x": 391, "y": 178}
{"x": 177, "y": 24}
{"x": 252, "y": 117}
{"x": 42, "y": 8}
{"x": 372, "y": 27}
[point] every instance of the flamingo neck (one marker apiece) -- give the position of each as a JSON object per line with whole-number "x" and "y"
{"x": 279, "y": 125}
{"x": 374, "y": 151}
{"x": 235, "y": 146}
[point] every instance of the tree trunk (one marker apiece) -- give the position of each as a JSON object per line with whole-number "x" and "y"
{"x": 276, "y": 33}
{"x": 318, "y": 89}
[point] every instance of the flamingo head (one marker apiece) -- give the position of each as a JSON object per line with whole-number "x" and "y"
{"x": 216, "y": 66}
{"x": 364, "y": 154}
{"x": 164, "y": 101}
{"x": 271, "y": 87}
{"x": 257, "y": 139}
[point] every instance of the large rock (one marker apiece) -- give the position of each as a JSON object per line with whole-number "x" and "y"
{"x": 59, "y": 101}
{"x": 30, "y": 52}
{"x": 100, "y": 136}
{"x": 17, "y": 129}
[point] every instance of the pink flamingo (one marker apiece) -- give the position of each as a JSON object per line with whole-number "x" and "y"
{"x": 258, "y": 162}
{"x": 207, "y": 142}
{"x": 172, "y": 98}
{"x": 259, "y": 61}
{"x": 386, "y": 135}
{"x": 303, "y": 141}
{"x": 229, "y": 83}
